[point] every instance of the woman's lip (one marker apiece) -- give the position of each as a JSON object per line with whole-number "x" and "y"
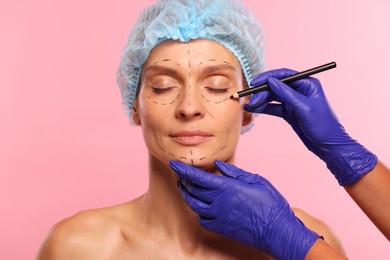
{"x": 190, "y": 137}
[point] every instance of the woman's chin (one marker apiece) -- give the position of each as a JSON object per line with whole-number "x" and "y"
{"x": 197, "y": 156}
{"x": 205, "y": 163}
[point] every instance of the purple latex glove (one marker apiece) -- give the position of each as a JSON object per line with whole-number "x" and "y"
{"x": 244, "y": 207}
{"x": 306, "y": 109}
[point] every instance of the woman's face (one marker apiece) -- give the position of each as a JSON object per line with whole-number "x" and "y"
{"x": 183, "y": 105}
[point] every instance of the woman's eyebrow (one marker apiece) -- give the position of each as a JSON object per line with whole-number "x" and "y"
{"x": 217, "y": 68}
{"x": 173, "y": 71}
{"x": 161, "y": 69}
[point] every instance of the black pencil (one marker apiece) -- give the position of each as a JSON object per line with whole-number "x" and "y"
{"x": 297, "y": 76}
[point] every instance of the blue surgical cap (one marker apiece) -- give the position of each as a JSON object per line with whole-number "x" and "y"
{"x": 227, "y": 22}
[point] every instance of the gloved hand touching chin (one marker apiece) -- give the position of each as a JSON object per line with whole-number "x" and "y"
{"x": 244, "y": 207}
{"x": 306, "y": 109}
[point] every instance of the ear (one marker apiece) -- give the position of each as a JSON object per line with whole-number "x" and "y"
{"x": 135, "y": 114}
{"x": 247, "y": 118}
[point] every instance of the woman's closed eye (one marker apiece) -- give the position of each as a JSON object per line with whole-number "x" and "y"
{"x": 162, "y": 90}
{"x": 163, "y": 86}
{"x": 217, "y": 90}
{"x": 217, "y": 85}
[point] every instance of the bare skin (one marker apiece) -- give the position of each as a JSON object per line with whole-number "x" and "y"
{"x": 151, "y": 228}
{"x": 372, "y": 194}
{"x": 146, "y": 228}
{"x": 159, "y": 224}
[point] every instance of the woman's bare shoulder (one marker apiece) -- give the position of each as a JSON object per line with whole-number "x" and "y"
{"x": 87, "y": 234}
{"x": 320, "y": 227}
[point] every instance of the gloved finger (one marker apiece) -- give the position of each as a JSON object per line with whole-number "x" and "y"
{"x": 308, "y": 86}
{"x": 198, "y": 206}
{"x": 274, "y": 110}
{"x": 206, "y": 195}
{"x": 232, "y": 171}
{"x": 208, "y": 223}
{"x": 258, "y": 109}
{"x": 285, "y": 93}
{"x": 262, "y": 78}
{"x": 259, "y": 101}
{"x": 222, "y": 228}
{"x": 197, "y": 176}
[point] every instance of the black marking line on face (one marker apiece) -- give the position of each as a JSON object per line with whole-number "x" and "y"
{"x": 188, "y": 56}
{"x": 216, "y": 102}
{"x": 158, "y": 61}
{"x": 191, "y": 152}
{"x": 214, "y": 153}
{"x": 189, "y": 96}
{"x": 189, "y": 77}
{"x": 164, "y": 104}
{"x": 205, "y": 98}
{"x": 171, "y": 154}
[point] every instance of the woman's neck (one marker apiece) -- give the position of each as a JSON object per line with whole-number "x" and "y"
{"x": 168, "y": 217}
{"x": 166, "y": 209}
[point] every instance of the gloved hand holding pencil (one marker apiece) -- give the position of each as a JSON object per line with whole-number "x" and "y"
{"x": 303, "y": 105}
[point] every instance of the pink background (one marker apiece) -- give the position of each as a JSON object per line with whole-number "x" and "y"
{"x": 65, "y": 144}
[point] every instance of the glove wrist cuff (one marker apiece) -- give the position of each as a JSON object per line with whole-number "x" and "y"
{"x": 294, "y": 240}
{"x": 350, "y": 163}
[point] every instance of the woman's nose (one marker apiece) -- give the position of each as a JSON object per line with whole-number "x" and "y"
{"x": 189, "y": 104}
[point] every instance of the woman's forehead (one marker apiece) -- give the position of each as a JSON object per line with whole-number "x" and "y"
{"x": 196, "y": 53}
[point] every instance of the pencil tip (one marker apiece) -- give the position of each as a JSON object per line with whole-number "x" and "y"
{"x": 235, "y": 95}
